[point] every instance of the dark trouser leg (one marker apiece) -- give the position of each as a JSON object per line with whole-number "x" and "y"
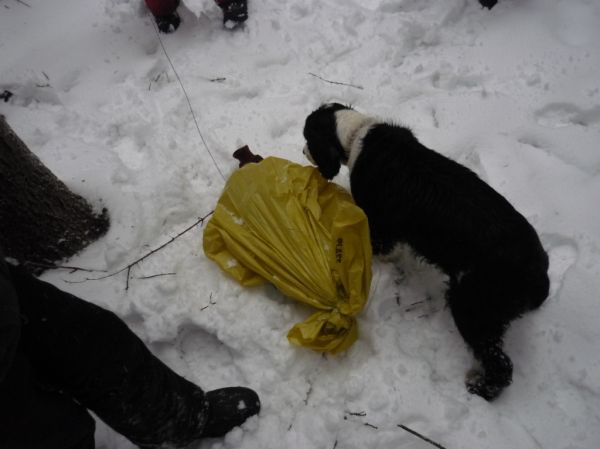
{"x": 95, "y": 358}
{"x": 165, "y": 14}
{"x": 34, "y": 416}
{"x": 162, "y": 7}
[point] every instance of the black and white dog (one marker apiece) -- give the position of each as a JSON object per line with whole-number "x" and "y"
{"x": 414, "y": 196}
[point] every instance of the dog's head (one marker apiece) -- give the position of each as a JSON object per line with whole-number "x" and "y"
{"x": 323, "y": 147}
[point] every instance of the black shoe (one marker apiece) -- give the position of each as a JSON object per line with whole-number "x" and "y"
{"x": 235, "y": 12}
{"x": 229, "y": 408}
{"x": 168, "y": 24}
{"x": 489, "y": 4}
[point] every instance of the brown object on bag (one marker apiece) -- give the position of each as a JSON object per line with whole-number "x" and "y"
{"x": 245, "y": 156}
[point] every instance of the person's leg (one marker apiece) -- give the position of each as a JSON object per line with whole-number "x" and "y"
{"x": 165, "y": 14}
{"x": 101, "y": 363}
{"x": 33, "y": 415}
{"x": 162, "y": 7}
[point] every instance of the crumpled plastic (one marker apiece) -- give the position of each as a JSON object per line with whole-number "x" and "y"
{"x": 283, "y": 223}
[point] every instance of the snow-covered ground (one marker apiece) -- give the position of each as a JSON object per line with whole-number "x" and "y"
{"x": 513, "y": 93}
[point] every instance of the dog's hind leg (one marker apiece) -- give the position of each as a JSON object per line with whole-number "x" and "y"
{"x": 482, "y": 322}
{"x": 495, "y": 374}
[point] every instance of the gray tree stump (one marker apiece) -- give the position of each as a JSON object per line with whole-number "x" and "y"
{"x": 41, "y": 220}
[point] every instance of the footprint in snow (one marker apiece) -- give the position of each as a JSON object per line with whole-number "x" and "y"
{"x": 558, "y": 115}
{"x": 563, "y": 253}
{"x": 208, "y": 358}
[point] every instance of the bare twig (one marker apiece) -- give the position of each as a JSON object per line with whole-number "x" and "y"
{"x": 308, "y": 392}
{"x": 424, "y": 438}
{"x": 210, "y": 302}
{"x": 363, "y": 413}
{"x": 156, "y": 275}
{"x": 218, "y": 79}
{"x": 145, "y": 256}
{"x": 47, "y": 84}
{"x": 63, "y": 267}
{"x": 336, "y": 82}
{"x": 413, "y": 306}
{"x": 155, "y": 80}
{"x": 23, "y": 3}
{"x": 408, "y": 429}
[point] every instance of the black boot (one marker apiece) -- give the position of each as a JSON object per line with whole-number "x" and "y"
{"x": 229, "y": 408}
{"x": 169, "y": 23}
{"x": 489, "y": 4}
{"x": 235, "y": 12}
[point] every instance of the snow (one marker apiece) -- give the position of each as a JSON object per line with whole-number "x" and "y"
{"x": 513, "y": 93}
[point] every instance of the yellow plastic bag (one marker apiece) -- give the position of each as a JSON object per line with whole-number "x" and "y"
{"x": 283, "y": 223}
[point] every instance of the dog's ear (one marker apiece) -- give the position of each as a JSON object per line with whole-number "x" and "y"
{"x": 322, "y": 143}
{"x": 326, "y": 156}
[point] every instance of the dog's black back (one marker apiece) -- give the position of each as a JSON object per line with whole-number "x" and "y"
{"x": 444, "y": 210}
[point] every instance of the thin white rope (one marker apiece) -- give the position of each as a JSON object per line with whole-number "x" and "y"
{"x": 187, "y": 97}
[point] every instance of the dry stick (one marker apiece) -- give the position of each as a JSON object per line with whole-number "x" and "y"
{"x": 408, "y": 429}
{"x": 154, "y": 80}
{"x": 363, "y": 413}
{"x": 424, "y": 438}
{"x": 336, "y": 82}
{"x": 145, "y": 256}
{"x": 187, "y": 97}
{"x": 23, "y": 3}
{"x": 131, "y": 265}
{"x": 210, "y": 302}
{"x": 218, "y": 79}
{"x": 156, "y": 275}
{"x": 64, "y": 267}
